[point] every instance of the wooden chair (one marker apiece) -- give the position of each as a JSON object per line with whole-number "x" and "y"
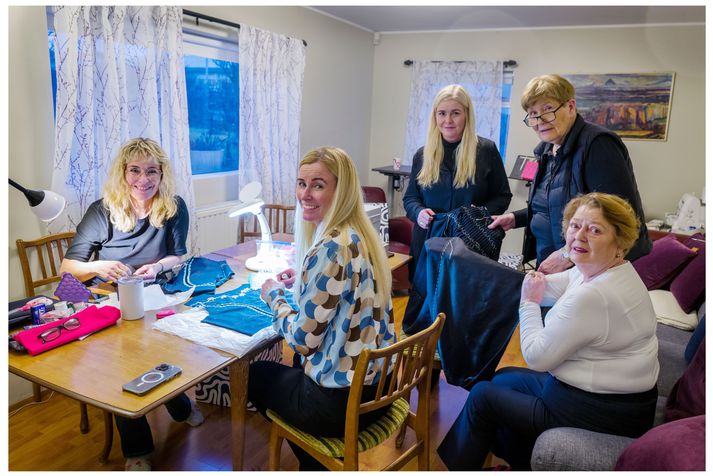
{"x": 277, "y": 217}
{"x": 413, "y": 360}
{"x": 50, "y": 251}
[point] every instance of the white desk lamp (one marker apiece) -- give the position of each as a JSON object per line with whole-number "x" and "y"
{"x": 265, "y": 260}
{"x": 45, "y": 204}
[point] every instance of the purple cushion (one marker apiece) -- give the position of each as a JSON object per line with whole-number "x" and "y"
{"x": 676, "y": 446}
{"x": 667, "y": 256}
{"x": 696, "y": 242}
{"x": 688, "y": 395}
{"x": 689, "y": 287}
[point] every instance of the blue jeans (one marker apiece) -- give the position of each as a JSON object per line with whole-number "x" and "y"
{"x": 507, "y": 414}
{"x": 135, "y": 433}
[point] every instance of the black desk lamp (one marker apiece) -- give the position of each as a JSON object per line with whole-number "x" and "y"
{"x": 46, "y": 204}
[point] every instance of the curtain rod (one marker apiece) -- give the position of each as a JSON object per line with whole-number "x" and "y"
{"x": 200, "y": 16}
{"x": 506, "y": 63}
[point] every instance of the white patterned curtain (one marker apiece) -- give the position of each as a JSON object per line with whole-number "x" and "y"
{"x": 482, "y": 79}
{"x": 120, "y": 75}
{"x": 271, "y": 76}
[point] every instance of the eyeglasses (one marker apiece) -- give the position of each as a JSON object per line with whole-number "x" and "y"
{"x": 136, "y": 172}
{"x": 545, "y": 117}
{"x": 53, "y": 333}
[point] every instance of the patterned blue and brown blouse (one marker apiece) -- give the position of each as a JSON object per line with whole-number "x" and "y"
{"x": 338, "y": 316}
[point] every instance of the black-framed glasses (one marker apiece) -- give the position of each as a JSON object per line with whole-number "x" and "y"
{"x": 51, "y": 334}
{"x": 151, "y": 173}
{"x": 545, "y": 117}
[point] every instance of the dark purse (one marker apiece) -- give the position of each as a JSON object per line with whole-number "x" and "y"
{"x": 470, "y": 224}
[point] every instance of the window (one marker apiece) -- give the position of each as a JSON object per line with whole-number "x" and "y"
{"x": 212, "y": 89}
{"x": 505, "y": 111}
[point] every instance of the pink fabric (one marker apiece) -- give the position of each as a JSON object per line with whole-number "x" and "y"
{"x": 91, "y": 319}
{"x": 667, "y": 257}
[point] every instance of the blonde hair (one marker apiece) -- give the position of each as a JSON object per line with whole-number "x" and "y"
{"x": 466, "y": 151}
{"x": 547, "y": 86}
{"x": 347, "y": 210}
{"x": 615, "y": 210}
{"x": 117, "y": 193}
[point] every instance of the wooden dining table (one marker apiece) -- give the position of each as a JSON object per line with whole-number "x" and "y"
{"x": 94, "y": 369}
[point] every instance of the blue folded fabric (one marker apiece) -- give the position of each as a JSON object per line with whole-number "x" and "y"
{"x": 241, "y": 309}
{"x": 205, "y": 274}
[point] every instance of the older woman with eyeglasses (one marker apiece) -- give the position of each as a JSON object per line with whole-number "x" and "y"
{"x": 575, "y": 157}
{"x": 139, "y": 224}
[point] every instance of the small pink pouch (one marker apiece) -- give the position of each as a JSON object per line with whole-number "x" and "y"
{"x": 91, "y": 320}
{"x": 529, "y": 171}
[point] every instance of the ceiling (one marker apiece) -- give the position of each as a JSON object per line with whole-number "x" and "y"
{"x": 385, "y": 19}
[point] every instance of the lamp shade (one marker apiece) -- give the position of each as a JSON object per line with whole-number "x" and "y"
{"x": 45, "y": 204}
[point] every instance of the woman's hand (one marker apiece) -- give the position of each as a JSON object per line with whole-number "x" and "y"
{"x": 425, "y": 217}
{"x": 554, "y": 263}
{"x": 506, "y": 222}
{"x": 110, "y": 270}
{"x": 287, "y": 277}
{"x": 149, "y": 272}
{"x": 268, "y": 286}
{"x": 533, "y": 287}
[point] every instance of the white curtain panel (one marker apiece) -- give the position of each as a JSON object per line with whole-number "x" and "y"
{"x": 271, "y": 76}
{"x": 482, "y": 79}
{"x": 120, "y": 75}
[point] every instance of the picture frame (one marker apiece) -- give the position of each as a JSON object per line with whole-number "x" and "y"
{"x": 635, "y": 106}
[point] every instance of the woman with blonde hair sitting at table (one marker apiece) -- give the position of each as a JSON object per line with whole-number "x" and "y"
{"x": 343, "y": 292}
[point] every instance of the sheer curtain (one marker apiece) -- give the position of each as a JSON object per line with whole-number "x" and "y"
{"x": 120, "y": 75}
{"x": 482, "y": 79}
{"x": 271, "y": 76}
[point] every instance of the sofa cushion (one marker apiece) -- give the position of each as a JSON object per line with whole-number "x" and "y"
{"x": 688, "y": 396}
{"x": 672, "y": 363}
{"x": 575, "y": 449}
{"x": 689, "y": 286}
{"x": 667, "y": 256}
{"x": 676, "y": 446}
{"x": 670, "y": 313}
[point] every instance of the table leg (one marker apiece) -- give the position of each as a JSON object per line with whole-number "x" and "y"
{"x": 108, "y": 436}
{"x": 238, "y": 401}
{"x": 390, "y": 193}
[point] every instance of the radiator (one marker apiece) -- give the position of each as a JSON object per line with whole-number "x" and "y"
{"x": 215, "y": 230}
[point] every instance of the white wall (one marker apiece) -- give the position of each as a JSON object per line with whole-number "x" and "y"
{"x": 664, "y": 170}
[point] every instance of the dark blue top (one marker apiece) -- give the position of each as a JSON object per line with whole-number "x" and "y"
{"x": 143, "y": 245}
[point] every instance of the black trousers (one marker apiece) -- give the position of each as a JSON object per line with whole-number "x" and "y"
{"x": 507, "y": 414}
{"x": 135, "y": 433}
{"x": 304, "y": 404}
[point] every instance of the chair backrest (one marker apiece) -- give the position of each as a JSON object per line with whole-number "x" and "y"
{"x": 50, "y": 253}
{"x": 279, "y": 217}
{"x": 373, "y": 194}
{"x": 412, "y": 364}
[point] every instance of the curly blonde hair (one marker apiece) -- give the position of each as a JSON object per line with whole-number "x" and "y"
{"x": 466, "y": 151}
{"x": 117, "y": 193}
{"x": 347, "y": 210}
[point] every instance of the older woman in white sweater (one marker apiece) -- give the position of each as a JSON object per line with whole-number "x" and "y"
{"x": 592, "y": 363}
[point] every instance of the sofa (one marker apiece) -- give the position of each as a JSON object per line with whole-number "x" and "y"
{"x": 668, "y": 272}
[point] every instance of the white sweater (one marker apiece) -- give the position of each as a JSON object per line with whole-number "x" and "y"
{"x": 599, "y": 336}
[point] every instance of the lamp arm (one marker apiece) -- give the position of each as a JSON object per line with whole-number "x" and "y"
{"x": 264, "y": 227}
{"x": 35, "y": 197}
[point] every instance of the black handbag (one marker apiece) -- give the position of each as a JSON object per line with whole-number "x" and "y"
{"x": 470, "y": 224}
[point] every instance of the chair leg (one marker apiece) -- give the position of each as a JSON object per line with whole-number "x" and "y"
{"x": 36, "y": 392}
{"x": 83, "y": 418}
{"x": 108, "y": 436}
{"x": 275, "y": 448}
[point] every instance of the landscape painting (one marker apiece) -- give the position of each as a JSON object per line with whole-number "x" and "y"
{"x": 634, "y": 106}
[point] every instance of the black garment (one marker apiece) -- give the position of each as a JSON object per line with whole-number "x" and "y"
{"x": 507, "y": 415}
{"x": 318, "y": 410}
{"x": 143, "y": 245}
{"x": 591, "y": 159}
{"x": 489, "y": 189}
{"x": 480, "y": 298}
{"x": 135, "y": 433}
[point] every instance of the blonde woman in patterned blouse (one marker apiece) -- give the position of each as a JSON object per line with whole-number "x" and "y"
{"x": 344, "y": 297}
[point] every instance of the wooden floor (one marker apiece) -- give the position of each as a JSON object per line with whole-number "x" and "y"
{"x": 46, "y": 436}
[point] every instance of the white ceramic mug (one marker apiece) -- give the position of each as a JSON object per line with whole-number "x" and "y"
{"x": 131, "y": 298}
